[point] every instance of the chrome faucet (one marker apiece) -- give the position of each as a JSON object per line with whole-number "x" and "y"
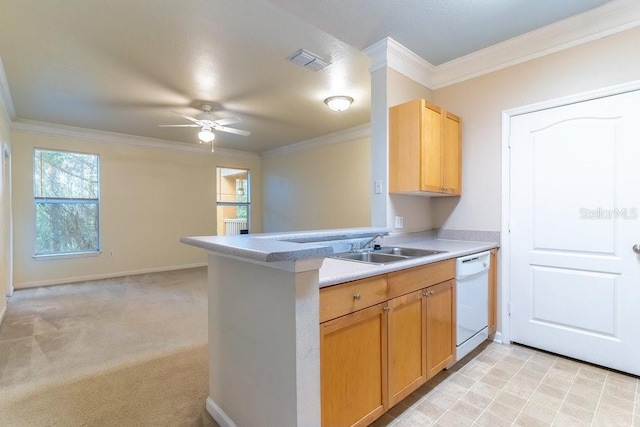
{"x": 370, "y": 241}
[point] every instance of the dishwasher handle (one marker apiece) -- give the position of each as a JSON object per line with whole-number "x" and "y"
{"x": 472, "y": 265}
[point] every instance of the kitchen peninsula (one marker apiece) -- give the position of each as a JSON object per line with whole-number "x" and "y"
{"x": 264, "y": 335}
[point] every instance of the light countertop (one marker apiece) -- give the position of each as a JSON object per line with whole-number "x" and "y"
{"x": 335, "y": 271}
{"x": 275, "y": 247}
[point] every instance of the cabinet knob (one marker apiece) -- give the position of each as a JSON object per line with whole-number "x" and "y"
{"x": 357, "y": 297}
{"x": 425, "y": 293}
{"x": 386, "y": 309}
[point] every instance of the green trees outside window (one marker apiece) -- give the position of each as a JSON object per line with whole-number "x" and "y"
{"x": 67, "y": 202}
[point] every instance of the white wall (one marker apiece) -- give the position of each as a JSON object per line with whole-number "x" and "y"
{"x": 150, "y": 198}
{"x": 480, "y": 102}
{"x": 318, "y": 188}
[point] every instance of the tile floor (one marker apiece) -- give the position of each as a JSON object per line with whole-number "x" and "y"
{"x": 501, "y": 385}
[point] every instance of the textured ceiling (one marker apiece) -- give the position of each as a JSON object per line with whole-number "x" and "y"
{"x": 123, "y": 65}
{"x": 436, "y": 30}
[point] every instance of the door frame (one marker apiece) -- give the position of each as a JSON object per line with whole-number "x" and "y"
{"x": 504, "y": 335}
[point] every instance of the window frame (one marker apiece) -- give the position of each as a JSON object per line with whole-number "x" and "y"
{"x": 247, "y": 190}
{"x": 62, "y": 200}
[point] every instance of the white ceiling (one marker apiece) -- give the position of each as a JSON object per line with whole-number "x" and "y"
{"x": 123, "y": 65}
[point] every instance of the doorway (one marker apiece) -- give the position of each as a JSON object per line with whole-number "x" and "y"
{"x": 572, "y": 223}
{"x": 6, "y": 246}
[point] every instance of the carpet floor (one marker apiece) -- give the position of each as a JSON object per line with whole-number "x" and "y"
{"x": 129, "y": 352}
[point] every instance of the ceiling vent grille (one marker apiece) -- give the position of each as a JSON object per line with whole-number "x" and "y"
{"x": 308, "y": 60}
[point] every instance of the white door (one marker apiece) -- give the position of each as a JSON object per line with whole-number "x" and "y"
{"x": 574, "y": 219}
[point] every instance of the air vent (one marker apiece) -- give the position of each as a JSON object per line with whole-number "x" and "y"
{"x": 308, "y": 60}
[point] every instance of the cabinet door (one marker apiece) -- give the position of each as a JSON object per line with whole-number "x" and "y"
{"x": 353, "y": 366}
{"x": 493, "y": 292}
{"x": 431, "y": 149}
{"x": 441, "y": 340}
{"x": 451, "y": 154}
{"x": 405, "y": 136}
{"x": 407, "y": 345}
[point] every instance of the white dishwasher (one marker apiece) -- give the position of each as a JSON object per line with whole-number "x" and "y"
{"x": 472, "y": 302}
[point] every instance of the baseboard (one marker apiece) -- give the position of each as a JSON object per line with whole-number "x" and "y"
{"x": 76, "y": 279}
{"x": 497, "y": 337}
{"x": 218, "y": 414}
{"x": 3, "y": 312}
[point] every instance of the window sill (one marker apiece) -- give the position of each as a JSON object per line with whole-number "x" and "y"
{"x": 66, "y": 256}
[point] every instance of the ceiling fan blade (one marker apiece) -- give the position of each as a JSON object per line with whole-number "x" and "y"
{"x": 232, "y": 130}
{"x": 193, "y": 119}
{"x": 179, "y": 126}
{"x": 227, "y": 121}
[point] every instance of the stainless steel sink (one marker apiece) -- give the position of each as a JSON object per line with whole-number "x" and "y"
{"x": 408, "y": 252}
{"x": 386, "y": 255}
{"x": 370, "y": 257}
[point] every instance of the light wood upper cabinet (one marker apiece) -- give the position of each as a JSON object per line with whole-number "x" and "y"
{"x": 425, "y": 150}
{"x": 441, "y": 327}
{"x": 353, "y": 361}
{"x": 493, "y": 292}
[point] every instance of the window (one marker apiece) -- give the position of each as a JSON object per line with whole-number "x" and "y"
{"x": 233, "y": 201}
{"x": 67, "y": 202}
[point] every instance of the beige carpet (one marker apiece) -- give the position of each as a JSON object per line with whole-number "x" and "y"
{"x": 126, "y": 352}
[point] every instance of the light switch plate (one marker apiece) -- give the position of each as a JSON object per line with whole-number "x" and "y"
{"x": 399, "y": 222}
{"x": 377, "y": 187}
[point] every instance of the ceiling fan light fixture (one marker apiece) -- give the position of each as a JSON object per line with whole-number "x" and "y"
{"x": 338, "y": 103}
{"x": 206, "y": 135}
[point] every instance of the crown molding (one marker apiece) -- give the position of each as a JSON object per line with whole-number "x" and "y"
{"x": 37, "y": 127}
{"x": 351, "y": 134}
{"x": 610, "y": 18}
{"x": 389, "y": 53}
{"x": 5, "y": 96}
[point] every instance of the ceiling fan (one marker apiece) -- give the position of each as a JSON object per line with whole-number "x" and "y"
{"x": 207, "y": 123}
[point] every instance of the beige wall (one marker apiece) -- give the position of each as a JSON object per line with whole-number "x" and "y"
{"x": 415, "y": 210}
{"x": 5, "y": 208}
{"x": 389, "y": 88}
{"x": 149, "y": 198}
{"x": 480, "y": 102}
{"x": 324, "y": 187}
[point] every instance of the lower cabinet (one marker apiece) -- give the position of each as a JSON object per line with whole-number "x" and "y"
{"x": 493, "y": 291}
{"x": 441, "y": 327}
{"x": 353, "y": 367}
{"x": 373, "y": 358}
{"x": 407, "y": 342}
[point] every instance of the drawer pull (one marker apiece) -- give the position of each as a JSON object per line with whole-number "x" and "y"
{"x": 357, "y": 297}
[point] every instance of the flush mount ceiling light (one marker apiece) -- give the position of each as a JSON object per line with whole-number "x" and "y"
{"x": 338, "y": 103}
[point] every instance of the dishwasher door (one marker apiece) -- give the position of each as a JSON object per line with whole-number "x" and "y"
{"x": 472, "y": 301}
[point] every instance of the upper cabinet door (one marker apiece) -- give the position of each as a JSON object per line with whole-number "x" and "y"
{"x": 452, "y": 154}
{"x": 424, "y": 150}
{"x": 431, "y": 148}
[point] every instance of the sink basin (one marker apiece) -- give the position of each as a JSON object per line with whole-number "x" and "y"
{"x": 370, "y": 257}
{"x": 408, "y": 252}
{"x": 386, "y": 255}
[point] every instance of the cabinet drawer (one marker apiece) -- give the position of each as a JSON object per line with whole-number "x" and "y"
{"x": 405, "y": 281}
{"x": 345, "y": 298}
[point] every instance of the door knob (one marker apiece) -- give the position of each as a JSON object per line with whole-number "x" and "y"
{"x": 636, "y": 248}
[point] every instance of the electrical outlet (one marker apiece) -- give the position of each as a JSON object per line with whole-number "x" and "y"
{"x": 110, "y": 253}
{"x": 377, "y": 187}
{"x": 399, "y": 222}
